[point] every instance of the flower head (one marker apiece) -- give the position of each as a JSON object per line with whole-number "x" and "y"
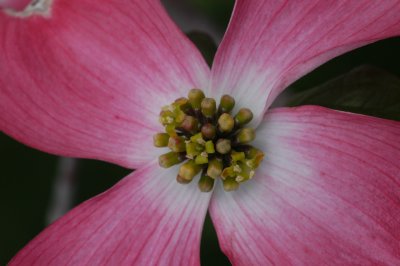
{"x": 88, "y": 79}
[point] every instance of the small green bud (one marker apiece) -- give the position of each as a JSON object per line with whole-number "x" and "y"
{"x": 208, "y": 131}
{"x": 183, "y": 104}
{"x": 198, "y": 138}
{"x": 177, "y": 144}
{"x": 243, "y": 117}
{"x": 195, "y": 97}
{"x": 171, "y": 158}
{"x": 225, "y": 123}
{"x": 189, "y": 124}
{"x": 170, "y": 129}
{"x": 246, "y": 172}
{"x": 202, "y": 158}
{"x": 193, "y": 149}
{"x": 160, "y": 140}
{"x": 214, "y": 169}
{"x": 230, "y": 184}
{"x": 209, "y": 146}
{"x": 226, "y": 104}
{"x": 237, "y": 156}
{"x": 181, "y": 180}
{"x": 223, "y": 146}
{"x": 245, "y": 135}
{"x": 208, "y": 107}
{"x": 252, "y": 152}
{"x": 206, "y": 183}
{"x": 254, "y": 156}
{"x": 228, "y": 172}
{"x": 166, "y": 117}
{"x": 189, "y": 170}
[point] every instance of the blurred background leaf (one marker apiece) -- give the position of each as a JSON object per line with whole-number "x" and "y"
{"x": 365, "y": 90}
{"x": 205, "y": 44}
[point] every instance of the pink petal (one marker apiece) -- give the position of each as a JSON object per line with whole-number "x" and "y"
{"x": 270, "y": 44}
{"x": 328, "y": 193}
{"x": 90, "y": 80}
{"x": 146, "y": 219}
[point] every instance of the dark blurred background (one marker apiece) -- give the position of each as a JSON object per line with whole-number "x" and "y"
{"x": 36, "y": 187}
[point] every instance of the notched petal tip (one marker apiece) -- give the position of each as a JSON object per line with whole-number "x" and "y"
{"x": 27, "y": 8}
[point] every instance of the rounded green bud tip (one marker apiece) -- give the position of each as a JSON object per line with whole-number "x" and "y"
{"x": 160, "y": 140}
{"x": 171, "y": 158}
{"x": 223, "y": 146}
{"x": 177, "y": 144}
{"x": 230, "y": 184}
{"x": 189, "y": 170}
{"x": 243, "y": 117}
{"x": 195, "y": 97}
{"x": 225, "y": 123}
{"x": 208, "y": 131}
{"x": 181, "y": 180}
{"x": 226, "y": 104}
{"x": 206, "y": 183}
{"x": 183, "y": 104}
{"x": 215, "y": 167}
{"x": 208, "y": 107}
{"x": 237, "y": 156}
{"x": 245, "y": 135}
{"x": 201, "y": 158}
{"x": 189, "y": 124}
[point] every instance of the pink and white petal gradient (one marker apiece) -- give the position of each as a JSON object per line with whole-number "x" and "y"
{"x": 146, "y": 219}
{"x": 14, "y": 4}
{"x": 89, "y": 80}
{"x": 270, "y": 44}
{"x": 328, "y": 192}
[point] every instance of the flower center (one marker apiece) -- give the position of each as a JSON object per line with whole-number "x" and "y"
{"x": 209, "y": 139}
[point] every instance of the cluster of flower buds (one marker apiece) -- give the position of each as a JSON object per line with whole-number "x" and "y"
{"x": 209, "y": 139}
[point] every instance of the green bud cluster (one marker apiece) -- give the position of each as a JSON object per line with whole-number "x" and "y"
{"x": 208, "y": 140}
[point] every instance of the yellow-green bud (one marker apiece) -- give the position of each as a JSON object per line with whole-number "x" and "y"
{"x": 254, "y": 156}
{"x": 195, "y": 97}
{"x": 183, "y": 104}
{"x": 243, "y": 117}
{"x": 189, "y": 124}
{"x": 209, "y": 147}
{"x": 208, "y": 131}
{"x": 177, "y": 144}
{"x": 206, "y": 183}
{"x": 245, "y": 135}
{"x": 228, "y": 172}
{"x": 160, "y": 140}
{"x": 189, "y": 170}
{"x": 223, "y": 146}
{"x": 226, "y": 104}
{"x": 230, "y": 184}
{"x": 202, "y": 158}
{"x": 193, "y": 149}
{"x": 208, "y": 107}
{"x": 225, "y": 123}
{"x": 181, "y": 180}
{"x": 214, "y": 169}
{"x": 237, "y": 156}
{"x": 171, "y": 158}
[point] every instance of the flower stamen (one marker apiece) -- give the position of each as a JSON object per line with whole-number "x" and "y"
{"x": 209, "y": 139}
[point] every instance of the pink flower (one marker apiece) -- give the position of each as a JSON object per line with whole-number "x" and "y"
{"x": 88, "y": 79}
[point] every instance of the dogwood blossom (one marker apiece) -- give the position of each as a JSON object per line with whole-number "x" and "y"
{"x": 88, "y": 79}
